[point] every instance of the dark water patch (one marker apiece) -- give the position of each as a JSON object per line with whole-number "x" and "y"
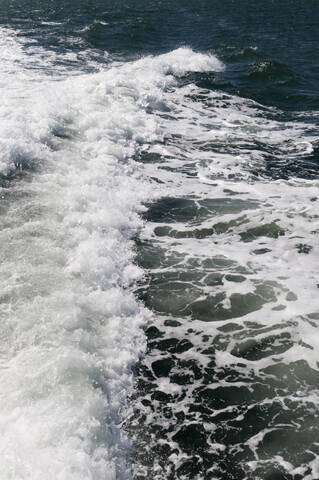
{"x": 261, "y": 251}
{"x": 306, "y": 167}
{"x": 148, "y": 157}
{"x": 181, "y": 290}
{"x": 303, "y": 248}
{"x": 271, "y": 71}
{"x": 150, "y": 255}
{"x": 297, "y": 374}
{"x": 172, "y": 210}
{"x": 200, "y": 233}
{"x": 268, "y": 346}
{"x": 289, "y": 443}
{"x": 271, "y": 230}
{"x": 235, "y": 54}
{"x": 230, "y": 327}
{"x": 212, "y": 307}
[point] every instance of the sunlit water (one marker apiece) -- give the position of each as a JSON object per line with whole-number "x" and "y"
{"x": 159, "y": 223}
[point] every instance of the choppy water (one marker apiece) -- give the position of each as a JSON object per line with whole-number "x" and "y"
{"x": 159, "y": 240}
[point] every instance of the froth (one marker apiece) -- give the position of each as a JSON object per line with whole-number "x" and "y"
{"x": 71, "y": 325}
{"x": 231, "y": 255}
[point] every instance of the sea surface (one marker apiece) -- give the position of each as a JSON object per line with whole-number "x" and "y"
{"x": 159, "y": 226}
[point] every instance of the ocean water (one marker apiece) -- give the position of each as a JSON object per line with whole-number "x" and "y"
{"x": 159, "y": 274}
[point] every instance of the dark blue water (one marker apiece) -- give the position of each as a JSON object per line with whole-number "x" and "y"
{"x": 283, "y": 35}
{"x": 227, "y": 387}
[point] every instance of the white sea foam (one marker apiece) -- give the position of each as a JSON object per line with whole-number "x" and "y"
{"x": 70, "y": 326}
{"x": 255, "y": 225}
{"x": 198, "y": 126}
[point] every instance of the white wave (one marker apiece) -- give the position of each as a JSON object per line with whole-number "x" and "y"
{"x": 70, "y": 326}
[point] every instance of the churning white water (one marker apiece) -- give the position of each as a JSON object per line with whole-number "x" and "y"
{"x": 70, "y": 199}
